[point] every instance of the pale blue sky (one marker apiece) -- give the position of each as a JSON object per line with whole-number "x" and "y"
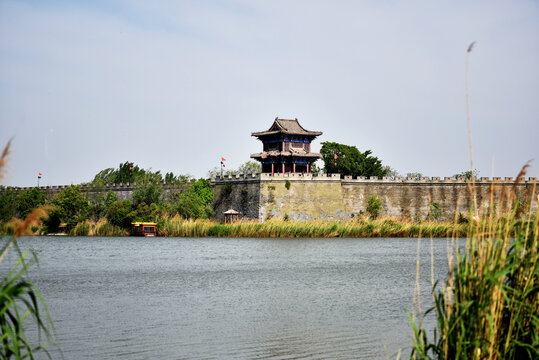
{"x": 175, "y": 85}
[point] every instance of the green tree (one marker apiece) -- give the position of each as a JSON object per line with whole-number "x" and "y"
{"x": 350, "y": 161}
{"x": 120, "y": 213}
{"x": 128, "y": 172}
{"x": 203, "y": 189}
{"x": 100, "y": 205}
{"x": 170, "y": 178}
{"x": 104, "y": 177}
{"x": 147, "y": 192}
{"x": 71, "y": 206}
{"x": 28, "y": 200}
{"x": 8, "y": 204}
{"x": 250, "y": 167}
{"x": 390, "y": 172}
{"x": 374, "y": 205}
{"x": 315, "y": 170}
{"x": 414, "y": 175}
{"x": 189, "y": 206}
{"x": 467, "y": 174}
{"x": 196, "y": 201}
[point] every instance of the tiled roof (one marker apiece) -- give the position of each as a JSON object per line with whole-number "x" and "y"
{"x": 285, "y": 126}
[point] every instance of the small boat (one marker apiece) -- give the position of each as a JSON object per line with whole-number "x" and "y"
{"x": 144, "y": 229}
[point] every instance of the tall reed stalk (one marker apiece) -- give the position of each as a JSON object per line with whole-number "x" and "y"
{"x": 488, "y": 308}
{"x": 361, "y": 227}
{"x": 21, "y": 303}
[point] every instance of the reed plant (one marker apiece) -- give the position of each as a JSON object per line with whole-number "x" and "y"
{"x": 98, "y": 228}
{"x": 21, "y": 303}
{"x": 357, "y": 227}
{"x": 488, "y": 308}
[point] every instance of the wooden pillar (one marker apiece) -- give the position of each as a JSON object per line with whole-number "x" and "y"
{"x": 308, "y": 168}
{"x": 283, "y": 168}
{"x": 272, "y": 169}
{"x": 294, "y": 168}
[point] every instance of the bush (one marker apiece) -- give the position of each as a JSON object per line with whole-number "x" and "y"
{"x": 435, "y": 211}
{"x": 71, "y": 206}
{"x": 374, "y": 205}
{"x": 120, "y": 214}
{"x": 8, "y": 204}
{"x": 81, "y": 229}
{"x": 287, "y": 184}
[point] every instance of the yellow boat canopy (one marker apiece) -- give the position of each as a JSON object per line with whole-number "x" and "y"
{"x": 143, "y": 223}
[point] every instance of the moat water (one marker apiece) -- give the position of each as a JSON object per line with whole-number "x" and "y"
{"x": 178, "y": 298}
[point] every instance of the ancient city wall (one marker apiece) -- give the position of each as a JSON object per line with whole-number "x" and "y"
{"x": 241, "y": 193}
{"x": 307, "y": 197}
{"x": 123, "y": 191}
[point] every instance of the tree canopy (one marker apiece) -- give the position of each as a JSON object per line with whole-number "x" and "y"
{"x": 350, "y": 161}
{"x": 248, "y": 167}
{"x": 128, "y": 172}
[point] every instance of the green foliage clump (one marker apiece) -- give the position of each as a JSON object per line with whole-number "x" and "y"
{"x": 195, "y": 203}
{"x": 250, "y": 167}
{"x": 414, "y": 175}
{"x": 70, "y": 207}
{"x": 21, "y": 302}
{"x": 81, "y": 229}
{"x": 8, "y": 204}
{"x": 13, "y": 204}
{"x": 374, "y": 205}
{"x": 488, "y": 307}
{"x": 350, "y": 161}
{"x": 120, "y": 213}
{"x": 467, "y": 175}
{"x": 147, "y": 192}
{"x": 287, "y": 184}
{"x": 28, "y": 200}
{"x": 435, "y": 211}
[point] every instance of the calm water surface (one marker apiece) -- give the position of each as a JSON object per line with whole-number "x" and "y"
{"x": 178, "y": 298}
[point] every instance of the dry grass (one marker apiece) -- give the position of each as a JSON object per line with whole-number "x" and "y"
{"x": 359, "y": 227}
{"x": 488, "y": 307}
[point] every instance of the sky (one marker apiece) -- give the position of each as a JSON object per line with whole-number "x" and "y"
{"x": 176, "y": 85}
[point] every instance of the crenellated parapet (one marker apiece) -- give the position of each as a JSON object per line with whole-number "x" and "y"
{"x": 366, "y": 180}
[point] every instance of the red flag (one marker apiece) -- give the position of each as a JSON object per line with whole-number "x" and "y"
{"x": 223, "y": 159}
{"x": 223, "y": 165}
{"x": 40, "y": 174}
{"x": 336, "y": 157}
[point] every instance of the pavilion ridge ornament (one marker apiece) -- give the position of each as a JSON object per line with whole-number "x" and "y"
{"x": 286, "y": 148}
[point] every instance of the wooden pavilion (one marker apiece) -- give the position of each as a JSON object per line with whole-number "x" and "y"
{"x": 231, "y": 216}
{"x": 286, "y": 148}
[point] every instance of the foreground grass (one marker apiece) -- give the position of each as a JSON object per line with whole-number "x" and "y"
{"x": 488, "y": 308}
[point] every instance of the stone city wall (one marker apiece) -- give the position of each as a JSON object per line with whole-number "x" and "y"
{"x": 123, "y": 191}
{"x": 328, "y": 197}
{"x": 308, "y": 197}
